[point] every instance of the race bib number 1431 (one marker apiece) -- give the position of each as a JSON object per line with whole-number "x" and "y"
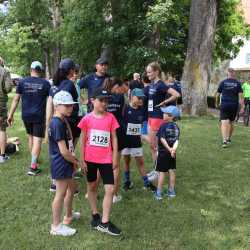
{"x": 99, "y": 138}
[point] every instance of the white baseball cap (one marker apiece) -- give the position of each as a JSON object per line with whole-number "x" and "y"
{"x": 36, "y": 65}
{"x": 64, "y": 98}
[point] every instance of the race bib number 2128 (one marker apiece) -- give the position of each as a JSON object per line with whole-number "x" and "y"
{"x": 99, "y": 138}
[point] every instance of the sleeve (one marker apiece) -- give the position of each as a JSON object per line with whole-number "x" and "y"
{"x": 7, "y": 82}
{"x": 163, "y": 88}
{"x": 83, "y": 124}
{"x": 159, "y": 134}
{"x": 83, "y": 83}
{"x": 58, "y": 131}
{"x": 114, "y": 123}
{"x": 19, "y": 88}
{"x": 220, "y": 88}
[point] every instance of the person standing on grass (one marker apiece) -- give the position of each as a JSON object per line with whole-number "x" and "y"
{"x": 5, "y": 88}
{"x": 168, "y": 138}
{"x": 33, "y": 91}
{"x": 99, "y": 153}
{"x": 133, "y": 117}
{"x": 246, "y": 91}
{"x": 156, "y": 97}
{"x": 95, "y": 80}
{"x": 230, "y": 94}
{"x": 63, "y": 164}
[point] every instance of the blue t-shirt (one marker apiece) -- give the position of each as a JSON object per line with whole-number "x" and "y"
{"x": 68, "y": 86}
{"x": 116, "y": 105}
{"x": 155, "y": 93}
{"x": 91, "y": 82}
{"x": 229, "y": 90}
{"x": 170, "y": 132}
{"x": 57, "y": 132}
{"x": 133, "y": 119}
{"x": 34, "y": 92}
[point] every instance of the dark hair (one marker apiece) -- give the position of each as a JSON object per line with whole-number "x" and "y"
{"x": 145, "y": 78}
{"x": 59, "y": 76}
{"x": 110, "y": 82}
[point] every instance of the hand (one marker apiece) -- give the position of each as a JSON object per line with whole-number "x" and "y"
{"x": 160, "y": 104}
{"x": 84, "y": 167}
{"x": 10, "y": 120}
{"x": 173, "y": 153}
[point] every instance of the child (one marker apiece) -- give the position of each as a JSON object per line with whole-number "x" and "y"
{"x": 133, "y": 117}
{"x": 63, "y": 163}
{"x": 99, "y": 152}
{"x": 168, "y": 136}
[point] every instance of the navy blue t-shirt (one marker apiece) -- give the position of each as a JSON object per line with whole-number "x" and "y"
{"x": 229, "y": 90}
{"x": 116, "y": 105}
{"x": 133, "y": 119}
{"x": 34, "y": 92}
{"x": 170, "y": 132}
{"x": 68, "y": 86}
{"x": 57, "y": 132}
{"x": 91, "y": 82}
{"x": 155, "y": 93}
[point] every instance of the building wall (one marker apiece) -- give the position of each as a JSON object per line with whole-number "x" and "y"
{"x": 246, "y": 9}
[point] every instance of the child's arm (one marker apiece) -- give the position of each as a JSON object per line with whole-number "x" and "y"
{"x": 67, "y": 155}
{"x": 82, "y": 145}
{"x": 173, "y": 152}
{"x": 115, "y": 148}
{"x": 165, "y": 144}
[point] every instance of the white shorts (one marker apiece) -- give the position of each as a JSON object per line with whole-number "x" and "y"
{"x": 134, "y": 152}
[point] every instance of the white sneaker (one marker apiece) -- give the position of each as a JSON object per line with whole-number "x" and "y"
{"x": 153, "y": 176}
{"x": 117, "y": 198}
{"x": 3, "y": 159}
{"x": 62, "y": 230}
{"x": 75, "y": 216}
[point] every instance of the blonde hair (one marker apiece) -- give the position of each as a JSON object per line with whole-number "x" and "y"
{"x": 155, "y": 66}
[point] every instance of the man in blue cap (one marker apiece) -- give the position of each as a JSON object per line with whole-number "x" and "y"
{"x": 95, "y": 80}
{"x": 33, "y": 91}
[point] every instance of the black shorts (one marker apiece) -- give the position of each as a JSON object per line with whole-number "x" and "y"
{"x": 106, "y": 172}
{"x": 228, "y": 112}
{"x": 35, "y": 129}
{"x": 165, "y": 162}
{"x": 121, "y": 139}
{"x": 74, "y": 129}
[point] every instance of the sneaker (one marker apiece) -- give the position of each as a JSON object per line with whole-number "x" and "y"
{"x": 62, "y": 230}
{"x": 76, "y": 192}
{"x": 171, "y": 193}
{"x": 109, "y": 228}
{"x": 157, "y": 196}
{"x": 224, "y": 144}
{"x": 229, "y": 141}
{"x": 151, "y": 187}
{"x": 128, "y": 185}
{"x": 153, "y": 175}
{"x": 75, "y": 216}
{"x": 117, "y": 198}
{"x": 95, "y": 222}
{"x": 4, "y": 158}
{"x": 52, "y": 188}
{"x": 33, "y": 172}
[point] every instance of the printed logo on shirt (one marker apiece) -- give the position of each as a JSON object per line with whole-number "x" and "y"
{"x": 99, "y": 138}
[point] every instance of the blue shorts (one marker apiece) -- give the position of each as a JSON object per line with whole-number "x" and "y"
{"x": 62, "y": 171}
{"x": 144, "y": 130}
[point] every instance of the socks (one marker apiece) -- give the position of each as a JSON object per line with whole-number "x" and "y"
{"x": 126, "y": 176}
{"x": 33, "y": 162}
{"x": 145, "y": 180}
{"x": 158, "y": 191}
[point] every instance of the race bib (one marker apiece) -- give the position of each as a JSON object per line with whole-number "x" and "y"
{"x": 133, "y": 129}
{"x": 99, "y": 138}
{"x": 150, "y": 105}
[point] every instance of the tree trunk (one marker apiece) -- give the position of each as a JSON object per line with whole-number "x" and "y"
{"x": 197, "y": 69}
{"x": 46, "y": 59}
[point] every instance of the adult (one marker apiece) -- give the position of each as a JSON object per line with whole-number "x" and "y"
{"x": 246, "y": 91}
{"x": 156, "y": 97}
{"x": 230, "y": 94}
{"x": 33, "y": 91}
{"x": 5, "y": 88}
{"x": 170, "y": 81}
{"x": 95, "y": 80}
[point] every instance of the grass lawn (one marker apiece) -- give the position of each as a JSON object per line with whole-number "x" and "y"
{"x": 211, "y": 210}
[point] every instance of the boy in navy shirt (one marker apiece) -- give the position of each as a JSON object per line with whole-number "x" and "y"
{"x": 63, "y": 164}
{"x": 133, "y": 117}
{"x": 33, "y": 91}
{"x": 168, "y": 137}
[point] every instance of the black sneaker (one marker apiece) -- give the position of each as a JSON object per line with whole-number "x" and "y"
{"x": 96, "y": 220}
{"x": 229, "y": 141}
{"x": 52, "y": 188}
{"x": 151, "y": 187}
{"x": 128, "y": 185}
{"x": 109, "y": 228}
{"x": 33, "y": 172}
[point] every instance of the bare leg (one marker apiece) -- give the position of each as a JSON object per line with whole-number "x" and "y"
{"x": 153, "y": 144}
{"x": 172, "y": 178}
{"x": 225, "y": 129}
{"x": 30, "y": 142}
{"x": 117, "y": 175}
{"x": 3, "y": 139}
{"x": 140, "y": 164}
{"x": 68, "y": 200}
{"x": 107, "y": 202}
{"x": 36, "y": 148}
{"x": 161, "y": 181}
{"x": 231, "y": 129}
{"x": 61, "y": 188}
{"x": 92, "y": 196}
